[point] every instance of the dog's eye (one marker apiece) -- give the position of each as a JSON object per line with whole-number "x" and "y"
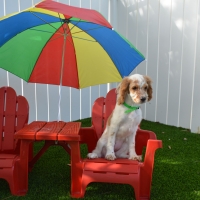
{"x": 145, "y": 88}
{"x": 134, "y": 88}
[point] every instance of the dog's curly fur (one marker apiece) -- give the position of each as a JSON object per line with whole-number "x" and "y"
{"x": 118, "y": 139}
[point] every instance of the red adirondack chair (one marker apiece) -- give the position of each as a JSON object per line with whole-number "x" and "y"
{"x": 14, "y": 112}
{"x": 137, "y": 174}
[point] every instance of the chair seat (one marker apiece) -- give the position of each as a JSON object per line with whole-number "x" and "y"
{"x": 118, "y": 166}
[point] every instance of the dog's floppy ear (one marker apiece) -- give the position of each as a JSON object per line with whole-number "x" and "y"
{"x": 122, "y": 90}
{"x": 150, "y": 89}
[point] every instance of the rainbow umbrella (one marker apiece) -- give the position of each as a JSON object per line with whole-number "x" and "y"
{"x": 53, "y": 43}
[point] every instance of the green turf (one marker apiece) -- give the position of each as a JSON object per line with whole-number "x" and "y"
{"x": 176, "y": 171}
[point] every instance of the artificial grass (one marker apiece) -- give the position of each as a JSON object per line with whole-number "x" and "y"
{"x": 176, "y": 171}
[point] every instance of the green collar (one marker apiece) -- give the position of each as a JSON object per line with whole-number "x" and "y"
{"x": 130, "y": 108}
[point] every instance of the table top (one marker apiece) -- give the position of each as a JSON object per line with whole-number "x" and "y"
{"x": 42, "y": 130}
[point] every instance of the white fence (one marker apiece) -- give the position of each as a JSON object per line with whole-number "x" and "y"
{"x": 167, "y": 32}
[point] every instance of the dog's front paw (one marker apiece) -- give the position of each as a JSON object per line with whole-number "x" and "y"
{"x": 135, "y": 157}
{"x": 92, "y": 155}
{"x": 110, "y": 157}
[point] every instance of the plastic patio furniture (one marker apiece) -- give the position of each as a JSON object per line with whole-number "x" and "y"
{"x": 124, "y": 171}
{"x": 14, "y": 113}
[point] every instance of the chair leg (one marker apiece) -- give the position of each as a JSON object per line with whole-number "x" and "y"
{"x": 8, "y": 176}
{"x": 85, "y": 181}
{"x": 16, "y": 179}
{"x": 137, "y": 191}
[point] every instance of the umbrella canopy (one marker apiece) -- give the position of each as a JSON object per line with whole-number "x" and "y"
{"x": 54, "y": 43}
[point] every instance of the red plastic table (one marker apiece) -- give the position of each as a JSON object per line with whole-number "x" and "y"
{"x": 61, "y": 133}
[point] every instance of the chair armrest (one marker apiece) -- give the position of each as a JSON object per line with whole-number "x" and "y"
{"x": 142, "y": 138}
{"x": 88, "y": 136}
{"x": 152, "y": 146}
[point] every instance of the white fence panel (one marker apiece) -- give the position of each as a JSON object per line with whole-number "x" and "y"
{"x": 29, "y": 90}
{"x": 163, "y": 60}
{"x": 35, "y": 1}
{"x": 142, "y": 39}
{"x": 41, "y": 102}
{"x": 122, "y": 17}
{"x": 1, "y": 8}
{"x": 24, "y": 4}
{"x": 132, "y": 21}
{"x": 196, "y": 97}
{"x": 142, "y": 33}
{"x": 86, "y": 4}
{"x": 152, "y": 54}
{"x": 76, "y": 3}
{"x": 175, "y": 61}
{"x": 189, "y": 40}
{"x": 65, "y": 105}
{"x": 85, "y": 103}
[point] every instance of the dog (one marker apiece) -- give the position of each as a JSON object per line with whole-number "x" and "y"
{"x": 118, "y": 138}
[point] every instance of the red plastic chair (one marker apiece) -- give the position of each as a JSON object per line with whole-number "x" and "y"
{"x": 14, "y": 112}
{"x": 137, "y": 174}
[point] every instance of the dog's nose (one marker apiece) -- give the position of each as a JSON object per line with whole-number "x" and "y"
{"x": 143, "y": 99}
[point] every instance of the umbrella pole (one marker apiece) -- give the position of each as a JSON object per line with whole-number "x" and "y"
{"x": 61, "y": 74}
{"x": 59, "y": 101}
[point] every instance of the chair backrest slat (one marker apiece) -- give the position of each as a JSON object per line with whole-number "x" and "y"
{"x": 110, "y": 103}
{"x": 9, "y": 119}
{"x": 98, "y": 115}
{"x": 22, "y": 112}
{"x": 14, "y": 112}
{"x": 101, "y": 110}
{"x": 2, "y": 99}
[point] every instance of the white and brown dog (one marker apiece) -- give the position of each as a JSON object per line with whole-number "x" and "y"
{"x": 118, "y": 138}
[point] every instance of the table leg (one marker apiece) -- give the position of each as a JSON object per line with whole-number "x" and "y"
{"x": 24, "y": 158}
{"x": 76, "y": 169}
